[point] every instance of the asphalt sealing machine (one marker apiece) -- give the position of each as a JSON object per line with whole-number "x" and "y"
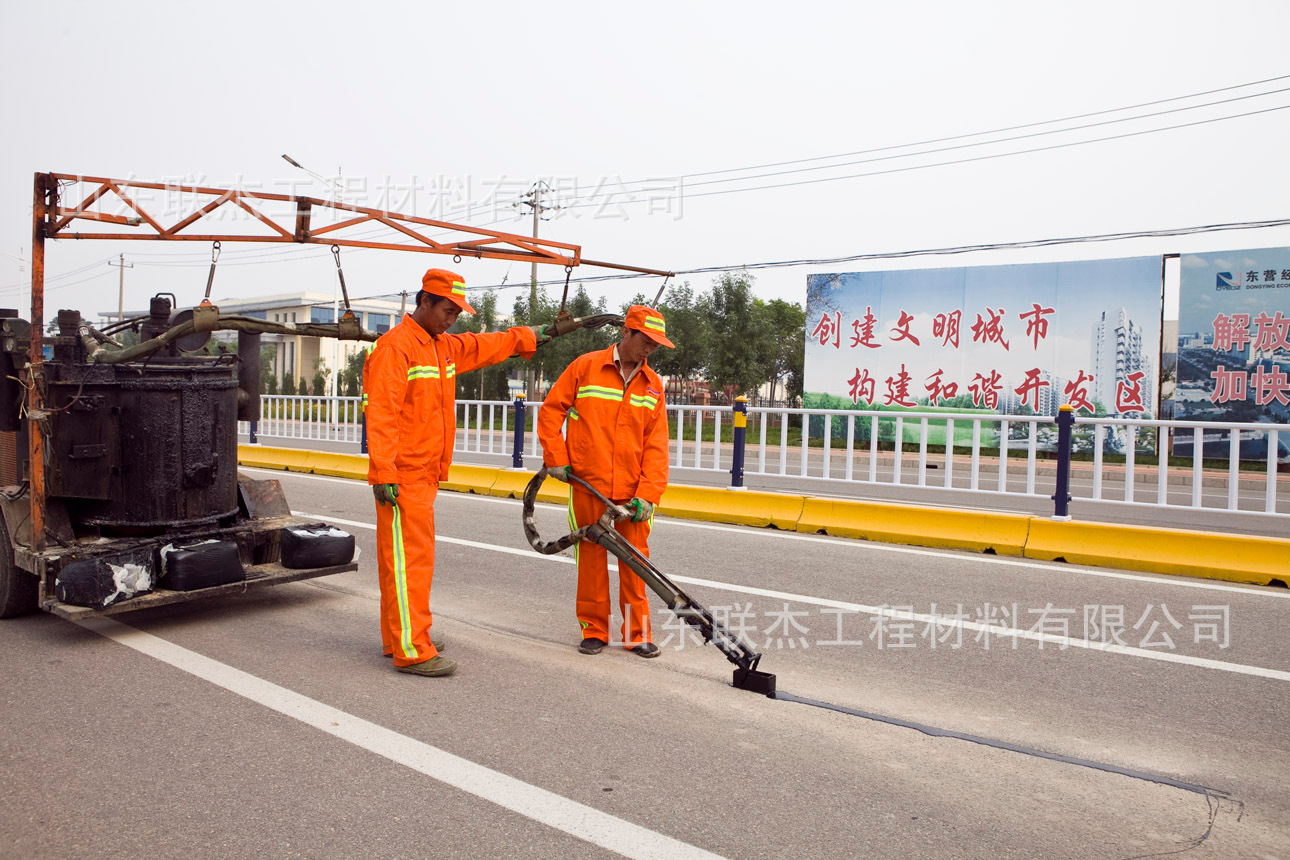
{"x": 685, "y": 607}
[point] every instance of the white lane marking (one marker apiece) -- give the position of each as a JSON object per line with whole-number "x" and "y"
{"x": 546, "y": 807}
{"x": 1161, "y": 579}
{"x": 943, "y": 622}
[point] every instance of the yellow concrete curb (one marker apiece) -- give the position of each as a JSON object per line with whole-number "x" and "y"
{"x": 469, "y": 478}
{"x": 511, "y": 483}
{"x": 1234, "y": 558}
{"x": 743, "y": 507}
{"x": 1003, "y": 533}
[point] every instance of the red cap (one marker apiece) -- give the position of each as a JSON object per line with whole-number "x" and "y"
{"x": 450, "y": 285}
{"x": 649, "y": 322}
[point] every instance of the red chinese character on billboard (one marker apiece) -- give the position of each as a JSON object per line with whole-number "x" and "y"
{"x": 937, "y": 391}
{"x": 946, "y": 327}
{"x": 1231, "y": 333}
{"x": 898, "y": 389}
{"x": 1036, "y": 322}
{"x": 1270, "y": 384}
{"x": 1271, "y": 333}
{"x": 1031, "y": 385}
{"x": 864, "y": 330}
{"x": 986, "y": 390}
{"x": 1128, "y": 393}
{"x": 1229, "y": 385}
{"x": 989, "y": 332}
{"x": 1077, "y": 393}
{"x": 829, "y": 328}
{"x": 862, "y": 387}
{"x": 901, "y": 331}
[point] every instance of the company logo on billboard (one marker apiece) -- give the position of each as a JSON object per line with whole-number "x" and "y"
{"x": 1226, "y": 282}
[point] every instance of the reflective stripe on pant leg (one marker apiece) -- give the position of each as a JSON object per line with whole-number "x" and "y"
{"x": 633, "y": 594}
{"x": 592, "y": 605}
{"x": 401, "y": 585}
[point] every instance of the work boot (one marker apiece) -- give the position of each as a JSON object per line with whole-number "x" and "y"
{"x": 437, "y": 643}
{"x": 646, "y": 649}
{"x": 435, "y": 667}
{"x": 591, "y": 645}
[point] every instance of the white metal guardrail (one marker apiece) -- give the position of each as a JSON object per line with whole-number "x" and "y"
{"x": 1111, "y": 460}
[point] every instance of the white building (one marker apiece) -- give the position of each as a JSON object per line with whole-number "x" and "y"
{"x": 297, "y": 354}
{"x": 1118, "y": 350}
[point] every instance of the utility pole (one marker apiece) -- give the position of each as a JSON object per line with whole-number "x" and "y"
{"x": 120, "y": 296}
{"x": 533, "y": 200}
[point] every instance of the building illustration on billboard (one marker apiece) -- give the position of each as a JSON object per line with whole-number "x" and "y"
{"x": 1234, "y": 347}
{"x": 1009, "y": 340}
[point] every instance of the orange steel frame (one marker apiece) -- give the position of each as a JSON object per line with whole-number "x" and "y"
{"x": 478, "y": 242}
{"x": 50, "y": 219}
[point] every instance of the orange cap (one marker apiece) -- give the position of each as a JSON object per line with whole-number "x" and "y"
{"x": 649, "y": 322}
{"x": 450, "y": 285}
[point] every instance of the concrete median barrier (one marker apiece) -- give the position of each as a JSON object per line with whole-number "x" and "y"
{"x": 510, "y": 484}
{"x": 469, "y": 478}
{"x": 1005, "y": 534}
{"x": 1235, "y": 558}
{"x": 741, "y": 507}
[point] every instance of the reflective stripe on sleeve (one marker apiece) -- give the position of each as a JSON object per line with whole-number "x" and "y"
{"x": 423, "y": 372}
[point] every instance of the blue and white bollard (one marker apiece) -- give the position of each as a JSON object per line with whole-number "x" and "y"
{"x": 1065, "y": 423}
{"x": 517, "y": 451}
{"x": 741, "y": 430}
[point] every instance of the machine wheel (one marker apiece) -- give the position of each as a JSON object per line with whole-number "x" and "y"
{"x": 19, "y": 590}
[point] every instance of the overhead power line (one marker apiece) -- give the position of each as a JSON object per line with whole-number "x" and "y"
{"x": 981, "y": 133}
{"x": 927, "y": 252}
{"x": 970, "y": 160}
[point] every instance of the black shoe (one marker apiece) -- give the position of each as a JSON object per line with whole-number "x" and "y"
{"x": 591, "y": 645}
{"x": 646, "y": 649}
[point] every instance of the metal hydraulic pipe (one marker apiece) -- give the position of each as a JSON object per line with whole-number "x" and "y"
{"x": 685, "y": 607}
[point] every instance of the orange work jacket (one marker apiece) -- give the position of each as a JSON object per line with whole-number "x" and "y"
{"x": 410, "y": 392}
{"x": 615, "y": 438}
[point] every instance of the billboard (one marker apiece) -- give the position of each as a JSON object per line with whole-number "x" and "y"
{"x": 1016, "y": 340}
{"x": 1234, "y": 344}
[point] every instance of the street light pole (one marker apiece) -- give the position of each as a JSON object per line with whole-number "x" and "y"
{"x": 120, "y": 296}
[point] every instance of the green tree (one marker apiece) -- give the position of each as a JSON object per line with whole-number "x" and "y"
{"x": 488, "y": 383}
{"x": 786, "y": 322}
{"x": 321, "y": 375}
{"x": 288, "y": 383}
{"x": 690, "y": 329}
{"x": 351, "y": 377}
{"x": 268, "y": 379}
{"x": 557, "y": 355}
{"x": 741, "y": 347}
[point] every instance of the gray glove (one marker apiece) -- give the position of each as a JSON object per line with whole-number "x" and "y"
{"x": 560, "y": 473}
{"x": 641, "y": 510}
{"x": 386, "y": 493}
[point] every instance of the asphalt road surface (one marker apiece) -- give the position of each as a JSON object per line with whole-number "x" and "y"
{"x": 269, "y": 725}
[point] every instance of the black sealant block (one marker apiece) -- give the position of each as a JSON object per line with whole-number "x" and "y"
{"x": 755, "y": 682}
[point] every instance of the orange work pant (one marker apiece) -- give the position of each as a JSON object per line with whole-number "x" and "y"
{"x": 405, "y": 560}
{"x": 593, "y": 576}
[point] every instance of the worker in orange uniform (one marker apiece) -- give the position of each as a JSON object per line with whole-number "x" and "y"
{"x": 409, "y": 387}
{"x": 611, "y": 403}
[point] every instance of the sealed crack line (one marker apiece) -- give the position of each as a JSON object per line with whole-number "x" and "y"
{"x": 936, "y": 732}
